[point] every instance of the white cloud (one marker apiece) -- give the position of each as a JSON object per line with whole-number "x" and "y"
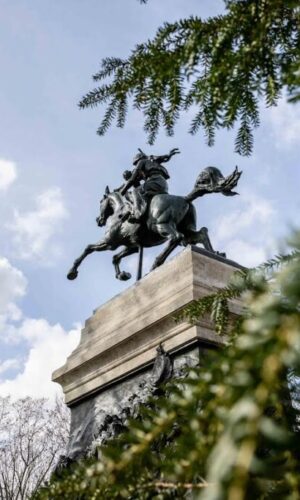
{"x": 9, "y": 364}
{"x": 253, "y": 210}
{"x": 284, "y": 120}
{"x": 12, "y": 284}
{"x": 12, "y": 287}
{"x": 33, "y": 231}
{"x": 247, "y": 254}
{"x": 8, "y": 173}
{"x": 245, "y": 234}
{"x": 47, "y": 345}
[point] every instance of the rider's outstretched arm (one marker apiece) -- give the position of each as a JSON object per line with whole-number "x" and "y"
{"x": 165, "y": 158}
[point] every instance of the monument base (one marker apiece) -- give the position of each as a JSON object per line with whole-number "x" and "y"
{"x": 104, "y": 415}
{"x": 119, "y": 362}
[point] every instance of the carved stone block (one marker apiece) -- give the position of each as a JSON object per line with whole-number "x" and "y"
{"x": 111, "y": 370}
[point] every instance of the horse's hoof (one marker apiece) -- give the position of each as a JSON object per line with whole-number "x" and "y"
{"x": 124, "y": 276}
{"x": 72, "y": 275}
{"x": 155, "y": 266}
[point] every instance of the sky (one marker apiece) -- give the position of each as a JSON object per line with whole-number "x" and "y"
{"x": 54, "y": 169}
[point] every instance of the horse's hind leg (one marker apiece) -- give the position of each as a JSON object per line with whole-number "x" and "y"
{"x": 96, "y": 247}
{"x": 194, "y": 237}
{"x": 201, "y": 236}
{"x": 123, "y": 275}
{"x": 206, "y": 240}
{"x": 160, "y": 259}
{"x": 191, "y": 235}
{"x": 169, "y": 231}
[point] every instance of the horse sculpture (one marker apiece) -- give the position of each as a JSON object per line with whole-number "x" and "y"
{"x": 168, "y": 218}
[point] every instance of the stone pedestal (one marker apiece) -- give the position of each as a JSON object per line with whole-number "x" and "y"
{"x": 110, "y": 371}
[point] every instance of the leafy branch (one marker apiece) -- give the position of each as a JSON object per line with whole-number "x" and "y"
{"x": 244, "y": 280}
{"x": 220, "y": 68}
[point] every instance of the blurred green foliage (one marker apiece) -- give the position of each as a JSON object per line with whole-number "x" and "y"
{"x": 220, "y": 68}
{"x": 228, "y": 429}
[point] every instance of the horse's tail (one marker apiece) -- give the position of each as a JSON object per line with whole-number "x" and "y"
{"x": 211, "y": 180}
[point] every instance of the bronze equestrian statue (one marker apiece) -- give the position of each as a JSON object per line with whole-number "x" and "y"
{"x": 141, "y": 213}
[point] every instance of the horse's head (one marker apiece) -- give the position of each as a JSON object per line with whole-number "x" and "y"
{"x": 106, "y": 208}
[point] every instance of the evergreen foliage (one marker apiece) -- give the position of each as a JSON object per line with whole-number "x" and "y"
{"x": 220, "y": 68}
{"x": 228, "y": 428}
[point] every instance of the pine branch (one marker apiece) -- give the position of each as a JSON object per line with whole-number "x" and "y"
{"x": 176, "y": 486}
{"x": 108, "y": 117}
{"x": 216, "y": 304}
{"x": 244, "y": 138}
{"x": 278, "y": 261}
{"x": 221, "y": 67}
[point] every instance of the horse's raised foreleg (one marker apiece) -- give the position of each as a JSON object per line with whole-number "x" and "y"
{"x": 96, "y": 247}
{"x": 123, "y": 275}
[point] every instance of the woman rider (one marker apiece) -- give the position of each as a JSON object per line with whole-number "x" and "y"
{"x": 150, "y": 170}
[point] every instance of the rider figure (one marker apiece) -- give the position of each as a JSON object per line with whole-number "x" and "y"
{"x": 150, "y": 170}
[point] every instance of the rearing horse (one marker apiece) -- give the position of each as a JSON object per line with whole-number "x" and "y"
{"x": 169, "y": 218}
